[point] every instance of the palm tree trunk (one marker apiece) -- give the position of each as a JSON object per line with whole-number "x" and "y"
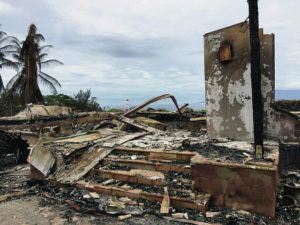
{"x": 32, "y": 91}
{"x": 1, "y": 85}
{"x": 256, "y": 78}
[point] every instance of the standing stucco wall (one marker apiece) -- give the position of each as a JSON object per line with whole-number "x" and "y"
{"x": 267, "y": 78}
{"x": 277, "y": 124}
{"x": 228, "y": 84}
{"x": 229, "y": 92}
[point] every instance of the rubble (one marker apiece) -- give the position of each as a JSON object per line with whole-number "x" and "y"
{"x": 137, "y": 125}
{"x": 151, "y": 122}
{"x": 41, "y": 159}
{"x": 13, "y": 144}
{"x": 60, "y": 121}
{"x": 124, "y": 173}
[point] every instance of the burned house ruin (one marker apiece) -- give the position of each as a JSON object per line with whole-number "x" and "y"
{"x": 166, "y": 162}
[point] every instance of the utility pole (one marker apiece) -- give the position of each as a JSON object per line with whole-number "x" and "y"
{"x": 256, "y": 79}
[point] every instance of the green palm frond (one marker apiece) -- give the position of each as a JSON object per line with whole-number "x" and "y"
{"x": 48, "y": 83}
{"x": 50, "y": 78}
{"x": 2, "y": 33}
{"x": 17, "y": 43}
{"x": 44, "y": 47}
{"x": 39, "y": 37}
{"x": 12, "y": 81}
{"x": 6, "y": 39}
{"x": 9, "y": 64}
{"x": 51, "y": 62}
{"x": 42, "y": 56}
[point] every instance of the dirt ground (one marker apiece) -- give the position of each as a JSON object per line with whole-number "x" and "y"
{"x": 27, "y": 211}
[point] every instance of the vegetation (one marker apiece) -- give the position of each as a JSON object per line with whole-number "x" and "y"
{"x": 59, "y": 99}
{"x": 30, "y": 58}
{"x": 6, "y": 48}
{"x": 115, "y": 110}
{"x": 290, "y": 105}
{"x": 9, "y": 105}
{"x": 82, "y": 101}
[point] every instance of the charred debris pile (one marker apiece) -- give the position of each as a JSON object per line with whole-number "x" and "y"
{"x": 143, "y": 162}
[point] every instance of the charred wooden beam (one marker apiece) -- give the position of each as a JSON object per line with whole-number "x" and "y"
{"x": 200, "y": 202}
{"x": 36, "y": 124}
{"x": 256, "y": 78}
{"x": 186, "y": 221}
{"x": 157, "y": 153}
{"x": 132, "y": 176}
{"x": 143, "y": 164}
{"x": 139, "y": 126}
{"x": 89, "y": 159}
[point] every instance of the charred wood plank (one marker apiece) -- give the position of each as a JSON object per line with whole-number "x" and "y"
{"x": 200, "y": 202}
{"x": 132, "y": 176}
{"x": 143, "y": 164}
{"x": 92, "y": 157}
{"x": 158, "y": 153}
{"x": 139, "y": 126}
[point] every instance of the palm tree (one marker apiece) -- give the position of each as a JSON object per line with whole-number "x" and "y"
{"x": 30, "y": 58}
{"x": 1, "y": 85}
{"x": 6, "y": 48}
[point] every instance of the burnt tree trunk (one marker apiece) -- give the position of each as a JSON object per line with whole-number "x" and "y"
{"x": 256, "y": 78}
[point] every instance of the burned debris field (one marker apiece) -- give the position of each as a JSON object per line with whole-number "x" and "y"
{"x": 68, "y": 160}
{"x": 129, "y": 172}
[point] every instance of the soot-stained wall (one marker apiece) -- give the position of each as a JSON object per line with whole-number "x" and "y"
{"x": 228, "y": 83}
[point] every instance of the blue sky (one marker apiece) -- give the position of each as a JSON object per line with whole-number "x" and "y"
{"x": 138, "y": 49}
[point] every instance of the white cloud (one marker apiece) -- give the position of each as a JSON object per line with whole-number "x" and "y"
{"x": 142, "y": 48}
{"x": 5, "y": 8}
